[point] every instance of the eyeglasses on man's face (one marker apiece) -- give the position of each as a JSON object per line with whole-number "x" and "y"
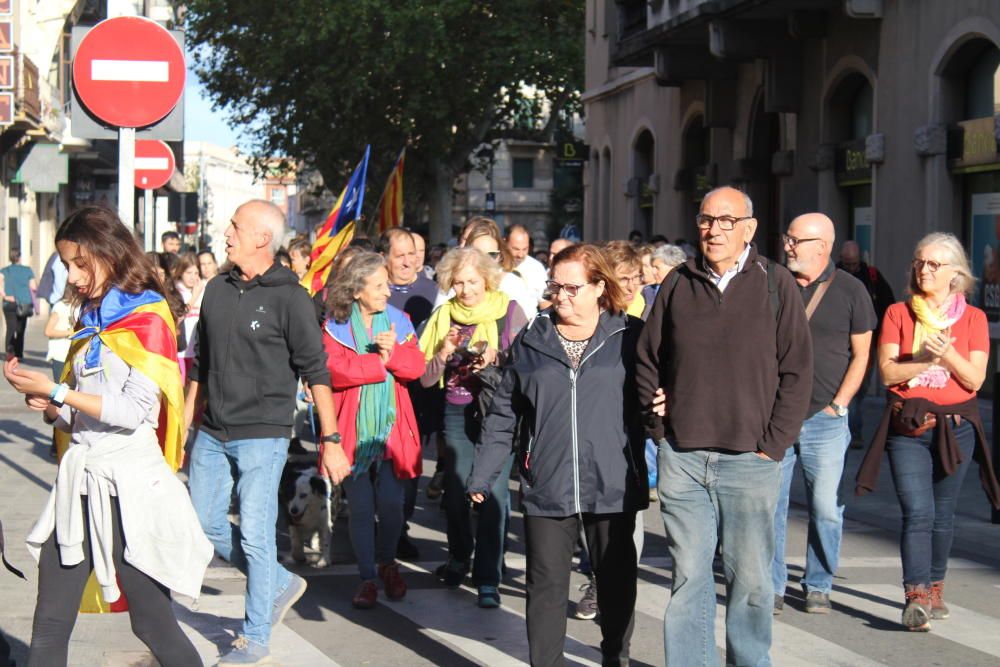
{"x": 932, "y": 266}
{"x": 634, "y": 279}
{"x": 727, "y": 223}
{"x": 793, "y": 242}
{"x": 572, "y": 290}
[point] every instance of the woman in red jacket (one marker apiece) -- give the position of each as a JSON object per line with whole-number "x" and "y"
{"x": 372, "y": 353}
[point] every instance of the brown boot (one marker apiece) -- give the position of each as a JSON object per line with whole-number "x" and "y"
{"x": 939, "y": 609}
{"x": 917, "y": 612}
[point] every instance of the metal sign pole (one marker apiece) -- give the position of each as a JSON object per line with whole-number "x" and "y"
{"x": 149, "y": 219}
{"x": 126, "y": 175}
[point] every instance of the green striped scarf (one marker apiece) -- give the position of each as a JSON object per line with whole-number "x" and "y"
{"x": 377, "y": 407}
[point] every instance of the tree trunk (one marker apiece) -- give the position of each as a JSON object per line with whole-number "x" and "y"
{"x": 440, "y": 201}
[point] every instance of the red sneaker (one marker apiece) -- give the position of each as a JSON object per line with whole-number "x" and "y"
{"x": 366, "y": 595}
{"x": 392, "y": 581}
{"x": 917, "y": 612}
{"x": 939, "y": 610}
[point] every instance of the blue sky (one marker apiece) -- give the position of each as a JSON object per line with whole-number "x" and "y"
{"x": 201, "y": 123}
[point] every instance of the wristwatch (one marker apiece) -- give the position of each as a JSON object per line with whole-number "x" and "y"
{"x": 839, "y": 409}
{"x": 332, "y": 438}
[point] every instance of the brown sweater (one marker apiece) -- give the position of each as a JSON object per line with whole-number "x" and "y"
{"x": 737, "y": 377}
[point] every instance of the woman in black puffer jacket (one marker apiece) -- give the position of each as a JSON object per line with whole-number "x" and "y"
{"x": 568, "y": 399}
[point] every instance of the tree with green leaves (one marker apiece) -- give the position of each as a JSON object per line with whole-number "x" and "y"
{"x": 317, "y": 79}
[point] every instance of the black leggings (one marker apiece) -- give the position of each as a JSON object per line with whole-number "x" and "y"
{"x": 60, "y": 589}
{"x": 14, "y": 336}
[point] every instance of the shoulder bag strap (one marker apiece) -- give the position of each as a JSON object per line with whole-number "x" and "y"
{"x": 818, "y": 296}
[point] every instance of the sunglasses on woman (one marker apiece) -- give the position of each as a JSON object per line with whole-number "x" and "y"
{"x": 553, "y": 288}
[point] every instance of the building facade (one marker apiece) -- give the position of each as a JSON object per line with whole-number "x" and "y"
{"x": 881, "y": 113}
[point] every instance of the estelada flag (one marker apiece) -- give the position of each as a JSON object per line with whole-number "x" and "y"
{"x": 140, "y": 329}
{"x": 346, "y": 210}
{"x": 390, "y": 206}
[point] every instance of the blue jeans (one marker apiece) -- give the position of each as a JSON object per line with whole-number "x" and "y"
{"x": 377, "y": 490}
{"x": 459, "y": 454}
{"x": 256, "y": 465}
{"x": 927, "y": 497}
{"x": 708, "y": 497}
{"x": 821, "y": 448}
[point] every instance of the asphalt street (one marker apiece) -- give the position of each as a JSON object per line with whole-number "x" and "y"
{"x": 437, "y": 626}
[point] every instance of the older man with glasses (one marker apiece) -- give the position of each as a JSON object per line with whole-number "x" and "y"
{"x": 728, "y": 343}
{"x": 841, "y": 320}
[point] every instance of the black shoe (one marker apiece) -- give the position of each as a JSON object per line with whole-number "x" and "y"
{"x": 453, "y": 572}
{"x": 406, "y": 550}
{"x": 817, "y": 602}
{"x": 779, "y": 604}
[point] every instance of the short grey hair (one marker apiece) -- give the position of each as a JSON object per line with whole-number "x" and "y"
{"x": 670, "y": 255}
{"x": 272, "y": 219}
{"x": 747, "y": 202}
{"x": 351, "y": 279}
{"x": 964, "y": 282}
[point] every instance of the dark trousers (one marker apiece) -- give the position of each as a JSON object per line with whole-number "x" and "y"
{"x": 486, "y": 545}
{"x": 60, "y": 589}
{"x": 927, "y": 497}
{"x": 549, "y": 543}
{"x": 13, "y": 342}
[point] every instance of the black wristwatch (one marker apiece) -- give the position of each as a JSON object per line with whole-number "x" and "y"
{"x": 332, "y": 438}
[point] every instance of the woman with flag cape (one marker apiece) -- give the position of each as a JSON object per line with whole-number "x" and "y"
{"x": 116, "y": 507}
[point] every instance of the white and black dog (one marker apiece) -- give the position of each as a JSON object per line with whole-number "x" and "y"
{"x": 311, "y": 504}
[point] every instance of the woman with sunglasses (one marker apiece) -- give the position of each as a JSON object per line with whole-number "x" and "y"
{"x": 468, "y": 332}
{"x": 932, "y": 354}
{"x": 567, "y": 403}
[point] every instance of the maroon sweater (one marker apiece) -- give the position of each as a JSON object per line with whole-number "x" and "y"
{"x": 737, "y": 378}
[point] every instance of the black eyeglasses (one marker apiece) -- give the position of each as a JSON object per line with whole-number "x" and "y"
{"x": 571, "y": 290}
{"x": 727, "y": 223}
{"x": 932, "y": 266}
{"x": 793, "y": 242}
{"x": 494, "y": 255}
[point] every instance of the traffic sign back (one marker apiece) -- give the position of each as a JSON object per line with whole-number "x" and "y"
{"x": 129, "y": 71}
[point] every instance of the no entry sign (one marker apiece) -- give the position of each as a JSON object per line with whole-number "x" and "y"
{"x": 129, "y": 71}
{"x": 154, "y": 164}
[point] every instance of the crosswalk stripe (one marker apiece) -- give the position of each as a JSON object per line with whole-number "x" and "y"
{"x": 966, "y": 627}
{"x": 790, "y": 646}
{"x": 214, "y": 622}
{"x": 495, "y": 637}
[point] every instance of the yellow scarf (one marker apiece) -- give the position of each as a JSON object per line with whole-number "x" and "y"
{"x": 931, "y": 322}
{"x": 638, "y": 305}
{"x": 485, "y": 315}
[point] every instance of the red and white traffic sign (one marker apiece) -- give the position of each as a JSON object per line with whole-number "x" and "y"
{"x": 129, "y": 71}
{"x": 154, "y": 164}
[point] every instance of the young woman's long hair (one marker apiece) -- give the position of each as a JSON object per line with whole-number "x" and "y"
{"x": 99, "y": 231}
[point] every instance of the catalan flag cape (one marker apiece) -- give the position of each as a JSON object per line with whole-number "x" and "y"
{"x": 390, "y": 206}
{"x": 337, "y": 231}
{"x": 140, "y": 329}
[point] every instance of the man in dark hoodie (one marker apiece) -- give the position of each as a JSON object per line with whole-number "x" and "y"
{"x": 256, "y": 334}
{"x": 728, "y": 342}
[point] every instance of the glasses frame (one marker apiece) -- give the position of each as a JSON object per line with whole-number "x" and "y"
{"x": 932, "y": 266}
{"x": 553, "y": 288}
{"x": 793, "y": 243}
{"x": 712, "y": 219}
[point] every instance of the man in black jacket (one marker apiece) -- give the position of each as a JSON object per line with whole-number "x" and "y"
{"x": 729, "y": 344}
{"x": 256, "y": 334}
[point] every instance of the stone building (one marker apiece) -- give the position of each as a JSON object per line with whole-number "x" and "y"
{"x": 880, "y": 113}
